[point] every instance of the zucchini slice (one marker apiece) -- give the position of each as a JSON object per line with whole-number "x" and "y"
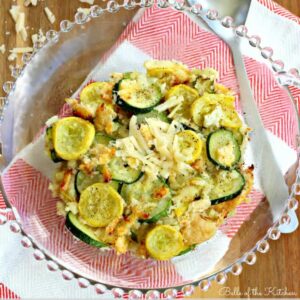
{"x": 223, "y": 149}
{"x": 101, "y": 138}
{"x": 187, "y": 250}
{"x": 154, "y": 198}
{"x": 137, "y": 95}
{"x": 48, "y": 135}
{"x": 83, "y": 232}
{"x": 228, "y": 185}
{"x": 238, "y": 136}
{"x": 192, "y": 127}
{"x": 49, "y": 146}
{"x": 54, "y": 157}
{"x": 133, "y": 236}
{"x": 83, "y": 180}
{"x": 164, "y": 242}
{"x": 121, "y": 172}
{"x": 161, "y": 211}
{"x": 152, "y": 114}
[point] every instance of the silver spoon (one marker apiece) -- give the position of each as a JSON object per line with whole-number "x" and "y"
{"x": 268, "y": 173}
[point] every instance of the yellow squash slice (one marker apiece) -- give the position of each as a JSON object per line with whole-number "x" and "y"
{"x": 100, "y": 204}
{"x": 95, "y": 94}
{"x": 72, "y": 137}
{"x": 201, "y": 107}
{"x": 168, "y": 70}
{"x": 230, "y": 118}
{"x": 208, "y": 103}
{"x": 188, "y": 94}
{"x": 164, "y": 242}
{"x": 190, "y": 145}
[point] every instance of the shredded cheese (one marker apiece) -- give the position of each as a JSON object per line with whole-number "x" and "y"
{"x": 85, "y": 11}
{"x": 49, "y": 15}
{"x": 2, "y": 49}
{"x": 38, "y": 37}
{"x": 90, "y": 2}
{"x": 19, "y": 19}
{"x": 213, "y": 118}
{"x": 21, "y": 50}
{"x": 165, "y": 158}
{"x": 133, "y": 131}
{"x": 173, "y": 101}
{"x": 12, "y": 56}
{"x": 14, "y": 12}
{"x": 20, "y": 26}
{"x": 174, "y": 111}
{"x": 30, "y": 2}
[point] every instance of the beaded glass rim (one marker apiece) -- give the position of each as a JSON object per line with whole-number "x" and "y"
{"x": 284, "y": 77}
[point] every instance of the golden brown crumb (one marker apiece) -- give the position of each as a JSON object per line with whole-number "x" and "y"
{"x": 80, "y": 110}
{"x": 112, "y": 226}
{"x": 197, "y": 230}
{"x": 122, "y": 244}
{"x": 104, "y": 118}
{"x": 66, "y": 180}
{"x": 198, "y": 165}
{"x": 106, "y": 174}
{"x": 160, "y": 193}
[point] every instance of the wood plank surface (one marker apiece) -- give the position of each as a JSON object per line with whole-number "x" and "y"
{"x": 278, "y": 270}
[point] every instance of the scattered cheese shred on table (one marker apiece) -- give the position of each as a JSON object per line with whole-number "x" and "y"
{"x": 86, "y": 11}
{"x": 21, "y": 50}
{"x": 91, "y": 2}
{"x": 49, "y": 15}
{"x": 30, "y": 2}
{"x": 12, "y": 56}
{"x": 19, "y": 19}
{"x": 20, "y": 26}
{"x": 14, "y": 12}
{"x": 2, "y": 49}
{"x": 38, "y": 37}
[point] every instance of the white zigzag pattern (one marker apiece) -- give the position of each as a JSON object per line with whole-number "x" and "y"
{"x": 279, "y": 10}
{"x": 275, "y": 107}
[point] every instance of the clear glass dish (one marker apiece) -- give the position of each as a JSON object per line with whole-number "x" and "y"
{"x": 59, "y": 67}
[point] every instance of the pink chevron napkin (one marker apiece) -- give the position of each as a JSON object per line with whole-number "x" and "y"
{"x": 144, "y": 38}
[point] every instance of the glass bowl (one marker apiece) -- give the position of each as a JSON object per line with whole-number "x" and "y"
{"x": 120, "y": 38}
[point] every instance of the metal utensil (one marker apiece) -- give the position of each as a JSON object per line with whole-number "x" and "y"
{"x": 269, "y": 177}
{"x": 237, "y": 9}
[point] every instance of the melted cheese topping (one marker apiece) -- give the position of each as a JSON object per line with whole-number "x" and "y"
{"x": 156, "y": 145}
{"x": 226, "y": 154}
{"x": 213, "y": 119}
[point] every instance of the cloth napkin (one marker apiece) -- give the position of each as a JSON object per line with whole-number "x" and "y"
{"x": 265, "y": 17}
